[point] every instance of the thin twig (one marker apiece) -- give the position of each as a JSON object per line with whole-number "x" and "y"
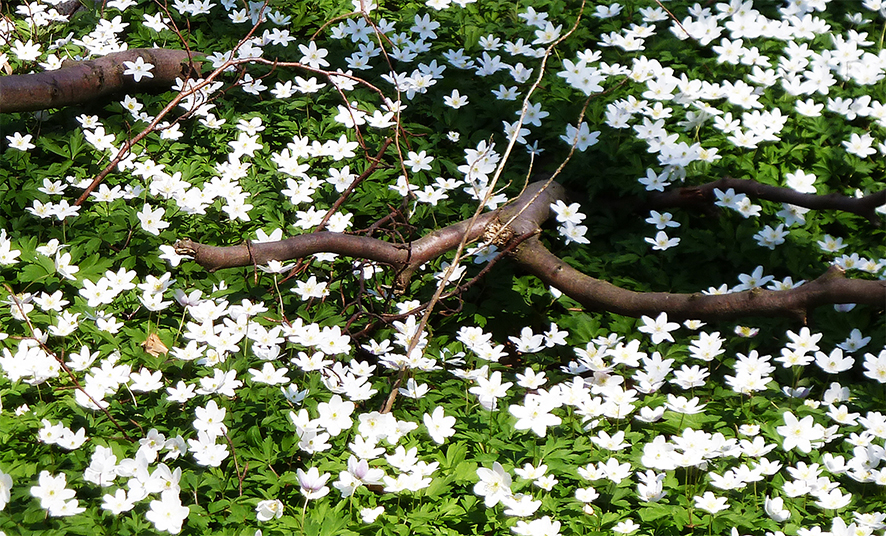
{"x": 338, "y": 203}
{"x": 240, "y": 477}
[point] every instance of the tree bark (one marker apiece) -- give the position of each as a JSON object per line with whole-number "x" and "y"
{"x": 702, "y": 197}
{"x": 832, "y": 287}
{"x": 88, "y": 80}
{"x": 526, "y": 215}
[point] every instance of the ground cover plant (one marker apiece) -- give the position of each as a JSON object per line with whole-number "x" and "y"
{"x": 555, "y": 268}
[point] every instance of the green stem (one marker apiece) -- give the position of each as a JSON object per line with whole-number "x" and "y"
{"x": 279, "y": 296}
{"x": 882, "y": 35}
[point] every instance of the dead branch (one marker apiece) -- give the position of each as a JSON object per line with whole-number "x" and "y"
{"x": 832, "y": 287}
{"x": 702, "y": 197}
{"x": 526, "y": 215}
{"x": 405, "y": 258}
{"x": 88, "y": 80}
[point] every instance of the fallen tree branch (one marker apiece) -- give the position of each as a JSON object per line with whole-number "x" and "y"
{"x": 832, "y": 287}
{"x": 406, "y": 258}
{"x": 702, "y": 197}
{"x": 88, "y": 80}
{"x": 526, "y": 215}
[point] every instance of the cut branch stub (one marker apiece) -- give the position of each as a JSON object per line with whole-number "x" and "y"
{"x": 87, "y": 80}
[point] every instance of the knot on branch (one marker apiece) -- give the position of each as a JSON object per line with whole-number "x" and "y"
{"x": 497, "y": 234}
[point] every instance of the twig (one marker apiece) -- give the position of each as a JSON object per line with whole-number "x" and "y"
{"x": 64, "y": 367}
{"x": 240, "y": 477}
{"x": 338, "y": 203}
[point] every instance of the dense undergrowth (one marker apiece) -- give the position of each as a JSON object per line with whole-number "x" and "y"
{"x": 142, "y": 394}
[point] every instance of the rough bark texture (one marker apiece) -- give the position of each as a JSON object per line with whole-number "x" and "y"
{"x": 526, "y": 215}
{"x": 832, "y": 287}
{"x": 405, "y": 258}
{"x": 88, "y": 80}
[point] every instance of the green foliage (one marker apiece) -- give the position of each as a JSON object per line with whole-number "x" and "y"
{"x": 225, "y": 388}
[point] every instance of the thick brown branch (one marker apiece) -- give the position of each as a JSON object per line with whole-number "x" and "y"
{"x": 696, "y": 197}
{"x": 529, "y": 210}
{"x": 405, "y": 258}
{"x": 830, "y": 288}
{"x": 215, "y": 257}
{"x": 522, "y": 218}
{"x": 88, "y": 80}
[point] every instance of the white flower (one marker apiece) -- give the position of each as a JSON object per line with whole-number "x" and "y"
{"x": 799, "y": 433}
{"x": 494, "y": 484}
{"x": 5, "y": 488}
{"x": 168, "y": 514}
{"x": 875, "y": 366}
{"x": 439, "y": 425}
{"x": 455, "y": 100}
{"x": 26, "y": 51}
{"x": 801, "y": 181}
{"x": 270, "y": 375}
{"x": 860, "y": 145}
{"x": 769, "y": 237}
{"x": 776, "y": 510}
{"x": 661, "y": 220}
{"x": 313, "y": 56}
{"x": 755, "y": 280}
{"x": 661, "y": 241}
{"x": 659, "y": 328}
{"x": 118, "y": 502}
{"x": 267, "y": 510}
{"x": 547, "y": 34}
{"x": 581, "y": 137}
{"x": 138, "y": 69}
{"x": 368, "y": 515}
{"x": 833, "y": 499}
{"x": 711, "y": 503}
{"x": 574, "y": 233}
{"x": 22, "y": 143}
{"x": 152, "y": 220}
{"x": 627, "y": 526}
{"x": 568, "y": 213}
{"x": 311, "y": 288}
